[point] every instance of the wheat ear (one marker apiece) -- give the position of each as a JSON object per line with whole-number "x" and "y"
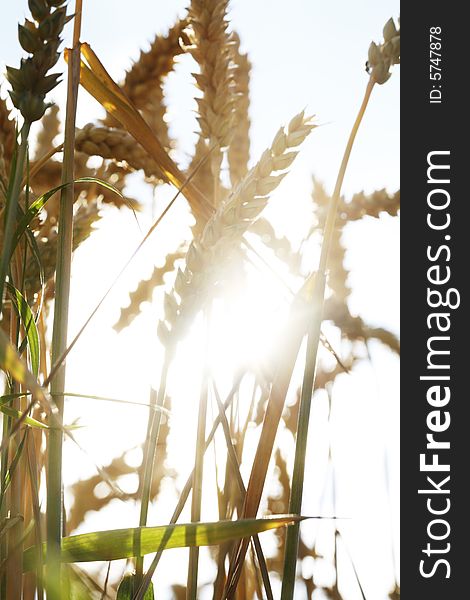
{"x": 227, "y": 226}
{"x": 212, "y": 50}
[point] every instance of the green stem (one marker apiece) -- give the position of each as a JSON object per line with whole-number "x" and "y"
{"x": 12, "y": 209}
{"x": 54, "y": 520}
{"x": 295, "y": 503}
{"x": 3, "y": 506}
{"x": 9, "y": 231}
{"x": 149, "y": 459}
{"x": 196, "y": 499}
{"x": 333, "y": 209}
{"x": 191, "y": 593}
{"x": 185, "y": 492}
{"x": 16, "y": 534}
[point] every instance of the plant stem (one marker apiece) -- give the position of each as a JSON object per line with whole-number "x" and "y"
{"x": 235, "y": 468}
{"x": 185, "y": 492}
{"x": 196, "y": 500}
{"x": 295, "y": 503}
{"x": 60, "y": 326}
{"x": 12, "y": 209}
{"x": 9, "y": 231}
{"x": 333, "y": 209}
{"x": 149, "y": 458}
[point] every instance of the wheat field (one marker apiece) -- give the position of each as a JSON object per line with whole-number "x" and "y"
{"x": 198, "y": 298}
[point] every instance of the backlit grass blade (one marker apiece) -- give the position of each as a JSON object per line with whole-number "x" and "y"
{"x": 11, "y": 469}
{"x": 29, "y": 324}
{"x": 125, "y": 543}
{"x": 33, "y": 245}
{"x": 12, "y": 364}
{"x": 17, "y": 414}
{"x": 36, "y": 207}
{"x": 11, "y": 207}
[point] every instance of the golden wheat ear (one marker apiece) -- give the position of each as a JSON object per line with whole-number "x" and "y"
{"x": 212, "y": 50}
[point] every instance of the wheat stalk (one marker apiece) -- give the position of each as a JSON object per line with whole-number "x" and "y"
{"x": 54, "y": 512}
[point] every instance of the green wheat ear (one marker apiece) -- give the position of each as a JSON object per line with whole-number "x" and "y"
{"x": 41, "y": 39}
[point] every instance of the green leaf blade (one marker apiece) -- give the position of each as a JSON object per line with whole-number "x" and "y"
{"x": 125, "y": 543}
{"x": 36, "y": 207}
{"x": 29, "y": 324}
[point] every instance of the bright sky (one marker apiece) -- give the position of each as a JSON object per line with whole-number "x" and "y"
{"x": 304, "y": 54}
